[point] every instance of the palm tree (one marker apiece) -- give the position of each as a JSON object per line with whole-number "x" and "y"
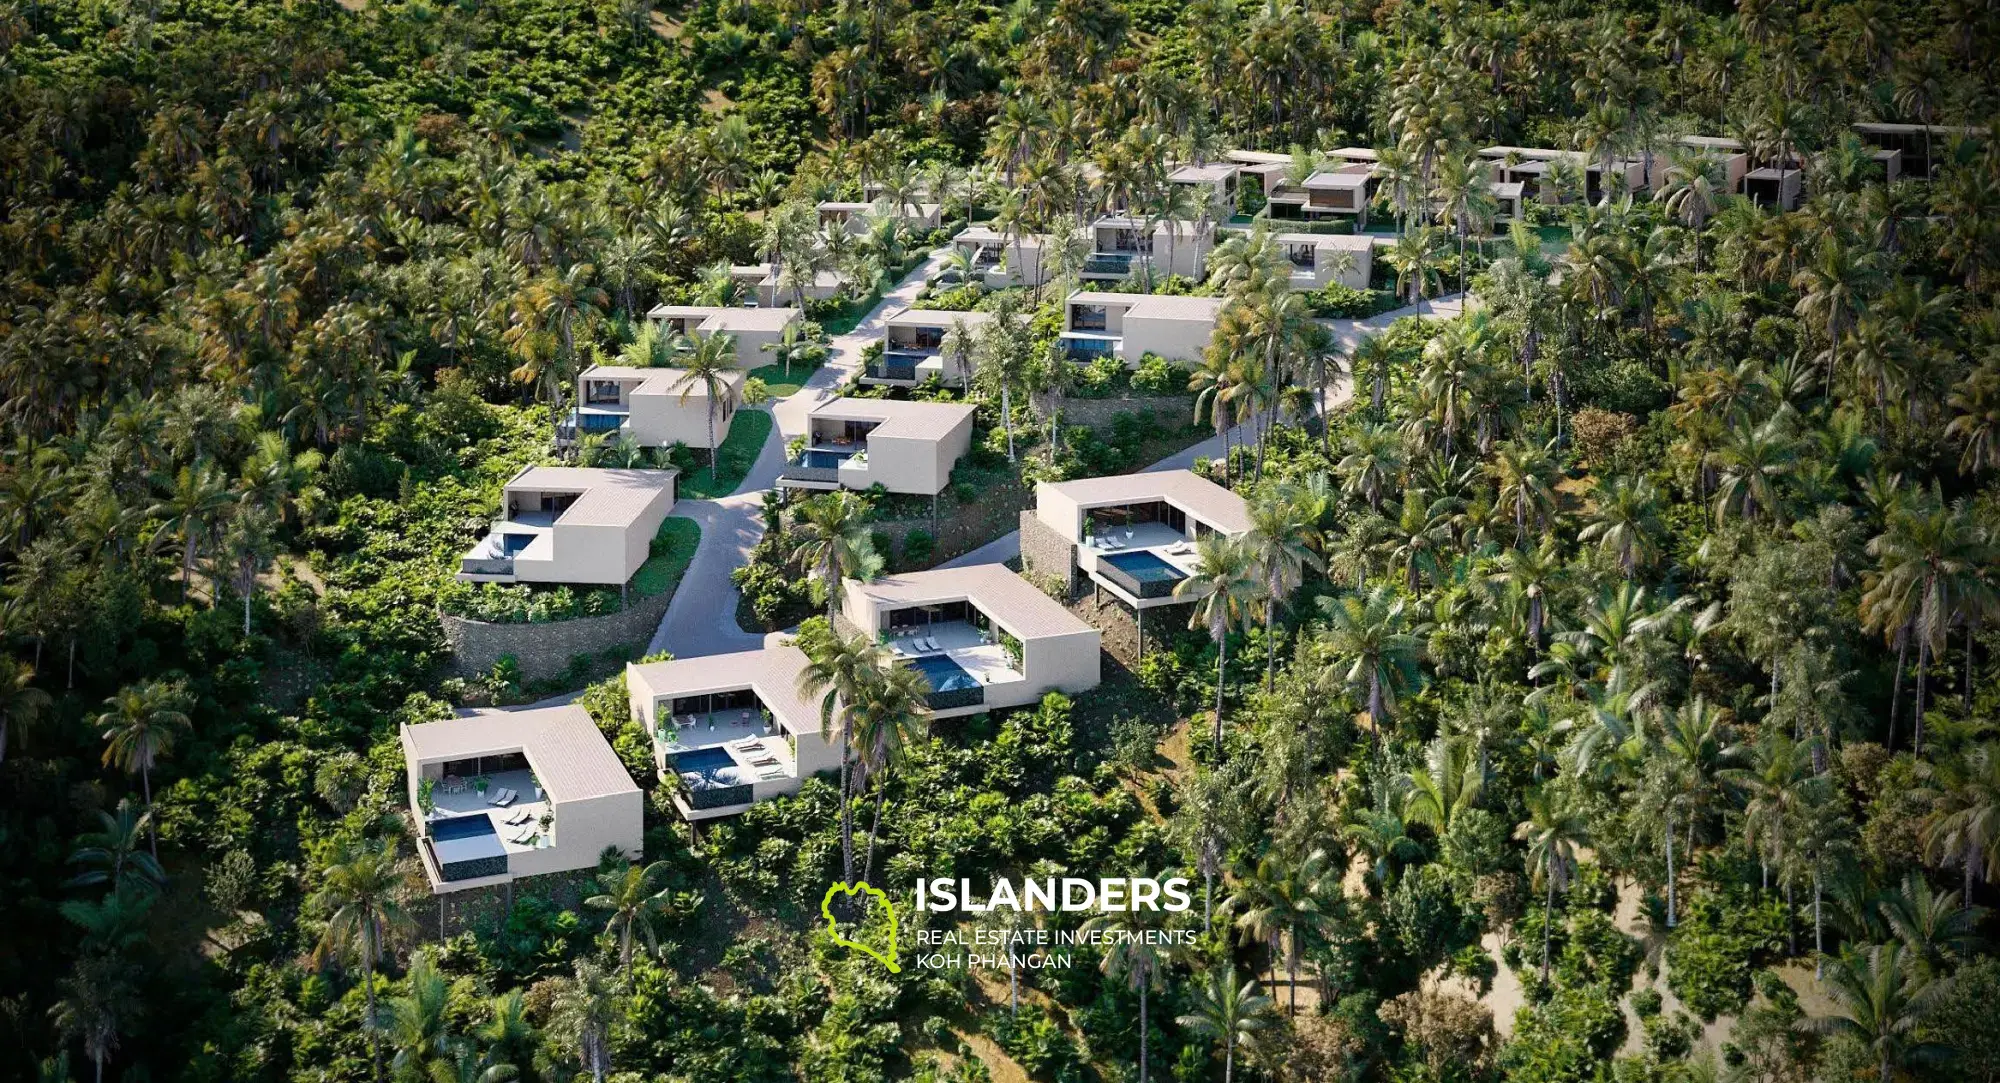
{"x": 1463, "y": 190}
{"x": 1531, "y": 573}
{"x": 139, "y": 727}
{"x": 417, "y": 1021}
{"x": 1882, "y": 1002}
{"x": 796, "y": 344}
{"x": 1933, "y": 926}
{"x": 831, "y": 542}
{"x": 891, "y": 714}
{"x": 1964, "y": 826}
{"x": 636, "y": 897}
{"x": 706, "y": 362}
{"x": 1234, "y": 1015}
{"x": 1373, "y": 461}
{"x": 1625, "y": 521}
{"x": 836, "y": 676}
{"x": 1284, "y": 532}
{"x": 1381, "y": 647}
{"x": 362, "y": 894}
{"x": 21, "y": 703}
{"x": 1223, "y": 584}
{"x": 1694, "y": 750}
{"x": 1772, "y": 788}
{"x": 582, "y": 1015}
{"x": 1552, "y": 831}
{"x": 1449, "y": 782}
{"x": 1415, "y": 259}
{"x": 1931, "y": 573}
{"x": 98, "y": 1003}
{"x": 1136, "y": 952}
{"x": 198, "y": 497}
{"x": 1374, "y": 355}
{"x": 1283, "y": 901}
{"x": 112, "y": 853}
{"x": 1751, "y": 460}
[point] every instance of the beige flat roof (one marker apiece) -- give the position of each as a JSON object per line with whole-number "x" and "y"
{"x": 606, "y": 497}
{"x": 1203, "y": 174}
{"x": 715, "y": 318}
{"x": 1002, "y": 595}
{"x": 896, "y": 418}
{"x": 1258, "y": 157}
{"x": 660, "y": 381}
{"x": 933, "y": 317}
{"x": 1152, "y": 306}
{"x": 772, "y": 672}
{"x": 1338, "y": 178}
{"x": 1192, "y": 493}
{"x": 571, "y": 758}
{"x": 1352, "y": 241}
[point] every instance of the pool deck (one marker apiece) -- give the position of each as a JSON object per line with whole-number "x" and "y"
{"x": 972, "y": 649}
{"x": 470, "y": 802}
{"x": 726, "y": 730}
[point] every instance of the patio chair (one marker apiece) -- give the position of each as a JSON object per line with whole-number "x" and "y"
{"x": 770, "y": 773}
{"x": 507, "y": 800}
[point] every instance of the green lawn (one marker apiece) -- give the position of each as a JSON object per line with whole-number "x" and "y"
{"x": 738, "y": 453}
{"x": 781, "y": 385}
{"x": 678, "y": 540}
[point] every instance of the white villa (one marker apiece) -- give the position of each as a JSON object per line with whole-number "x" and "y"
{"x": 753, "y": 328}
{"x": 1121, "y": 244}
{"x": 1128, "y": 326}
{"x": 1000, "y": 260}
{"x": 1131, "y": 535}
{"x": 852, "y": 216}
{"x": 730, "y": 729}
{"x": 912, "y": 347}
{"x": 657, "y": 407}
{"x": 983, "y": 636}
{"x": 1322, "y": 259}
{"x": 572, "y": 524}
{"x": 906, "y": 447}
{"x": 1214, "y": 183}
{"x": 501, "y": 795}
{"x": 764, "y": 282}
{"x": 1529, "y": 167}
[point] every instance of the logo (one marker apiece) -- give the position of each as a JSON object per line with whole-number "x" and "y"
{"x": 887, "y": 956}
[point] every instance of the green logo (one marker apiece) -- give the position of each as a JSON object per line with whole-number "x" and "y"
{"x": 887, "y": 956}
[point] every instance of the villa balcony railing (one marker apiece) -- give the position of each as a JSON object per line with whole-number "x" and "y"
{"x": 718, "y": 796}
{"x": 486, "y": 565}
{"x": 1088, "y": 349}
{"x": 1141, "y": 589}
{"x": 1110, "y": 263}
{"x": 958, "y": 697}
{"x": 1079, "y": 323}
{"x": 466, "y": 870}
{"x": 891, "y": 370}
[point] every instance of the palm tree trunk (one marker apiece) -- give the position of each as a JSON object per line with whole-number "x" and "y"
{"x": 153, "y": 832}
{"x": 875, "y": 825}
{"x": 374, "y": 1039}
{"x": 1819, "y": 941}
{"x": 1670, "y": 870}
{"x": 1007, "y": 417}
{"x": 1917, "y": 717}
{"x": 1896, "y": 688}
{"x": 1270, "y": 644}
{"x": 1548, "y": 916}
{"x": 846, "y": 810}
{"x": 1221, "y": 659}
{"x": 1142, "y": 1031}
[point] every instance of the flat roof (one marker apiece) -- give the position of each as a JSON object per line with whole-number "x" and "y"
{"x": 987, "y": 235}
{"x": 1711, "y": 142}
{"x": 998, "y": 592}
{"x": 1506, "y": 189}
{"x": 1126, "y": 221}
{"x": 716, "y": 318}
{"x": 1156, "y": 306}
{"x": 606, "y": 497}
{"x": 933, "y": 317}
{"x": 772, "y": 672}
{"x": 1338, "y": 178}
{"x": 1358, "y": 154}
{"x": 1198, "y": 496}
{"x": 1258, "y": 157}
{"x": 1203, "y": 174}
{"x": 660, "y": 380}
{"x": 897, "y": 418}
{"x": 1887, "y": 128}
{"x": 570, "y": 757}
{"x": 1352, "y": 241}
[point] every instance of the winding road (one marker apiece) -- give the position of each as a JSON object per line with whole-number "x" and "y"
{"x": 701, "y": 619}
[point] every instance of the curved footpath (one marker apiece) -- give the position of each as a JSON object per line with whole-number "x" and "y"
{"x": 701, "y": 620}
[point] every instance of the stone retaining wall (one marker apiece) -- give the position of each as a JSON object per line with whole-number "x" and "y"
{"x": 1046, "y": 554}
{"x": 1097, "y": 413}
{"x": 544, "y": 650}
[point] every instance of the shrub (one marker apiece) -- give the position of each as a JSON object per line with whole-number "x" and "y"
{"x": 1158, "y": 376}
{"x": 958, "y": 299}
{"x": 1341, "y": 302}
{"x": 918, "y": 545}
{"x": 1599, "y": 432}
{"x": 1712, "y": 954}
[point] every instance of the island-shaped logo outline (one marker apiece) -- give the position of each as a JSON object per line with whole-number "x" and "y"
{"x": 842, "y": 887}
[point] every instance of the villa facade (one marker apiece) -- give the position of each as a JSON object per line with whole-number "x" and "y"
{"x": 1000, "y": 259}
{"x": 730, "y": 730}
{"x": 906, "y": 447}
{"x": 913, "y": 348}
{"x": 984, "y": 637}
{"x": 655, "y": 407}
{"x": 1324, "y": 259}
{"x": 501, "y": 795}
{"x": 1128, "y": 326}
{"x": 1121, "y": 245}
{"x": 752, "y": 328}
{"x": 1131, "y": 535}
{"x": 571, "y": 524}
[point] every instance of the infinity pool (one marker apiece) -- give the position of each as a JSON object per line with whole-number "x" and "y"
{"x": 712, "y": 765}
{"x": 1145, "y": 567}
{"x": 944, "y": 674}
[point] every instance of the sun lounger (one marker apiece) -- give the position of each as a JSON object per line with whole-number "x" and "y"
{"x": 493, "y": 796}
{"x": 509, "y": 799}
{"x": 771, "y": 773}
{"x": 764, "y": 761}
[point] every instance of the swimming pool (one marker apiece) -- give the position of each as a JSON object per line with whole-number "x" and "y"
{"x": 825, "y": 460}
{"x": 467, "y": 847}
{"x": 512, "y": 544}
{"x": 944, "y": 674}
{"x": 462, "y": 827}
{"x": 1144, "y": 567}
{"x": 713, "y": 766}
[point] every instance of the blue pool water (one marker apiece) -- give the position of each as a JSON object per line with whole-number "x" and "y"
{"x": 826, "y": 460}
{"x": 1145, "y": 567}
{"x": 462, "y": 827}
{"x": 944, "y": 674}
{"x": 711, "y": 764}
{"x": 511, "y": 544}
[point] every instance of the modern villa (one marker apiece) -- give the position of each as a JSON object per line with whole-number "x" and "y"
{"x": 1121, "y": 245}
{"x": 731, "y": 729}
{"x": 1000, "y": 260}
{"x": 765, "y": 282}
{"x": 501, "y": 795}
{"x": 1342, "y": 190}
{"x": 753, "y": 328}
{"x": 656, "y": 407}
{"x": 912, "y": 347}
{"x": 572, "y": 524}
{"x": 983, "y": 636}
{"x": 905, "y": 447}
{"x": 1132, "y": 535}
{"x": 1921, "y": 146}
{"x": 1322, "y": 259}
{"x": 1529, "y": 167}
{"x": 1128, "y": 326}
{"x": 1213, "y": 183}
